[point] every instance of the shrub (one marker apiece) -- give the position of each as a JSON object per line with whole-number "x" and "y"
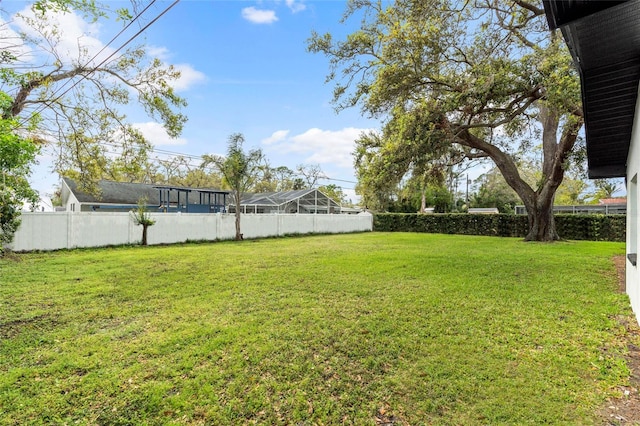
{"x": 570, "y": 227}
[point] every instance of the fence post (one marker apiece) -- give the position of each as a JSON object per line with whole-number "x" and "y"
{"x": 69, "y": 229}
{"x": 129, "y": 228}
{"x": 218, "y": 226}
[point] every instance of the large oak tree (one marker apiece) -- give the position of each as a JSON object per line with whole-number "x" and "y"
{"x": 484, "y": 75}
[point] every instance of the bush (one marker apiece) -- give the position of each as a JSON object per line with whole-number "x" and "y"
{"x": 594, "y": 227}
{"x": 569, "y": 227}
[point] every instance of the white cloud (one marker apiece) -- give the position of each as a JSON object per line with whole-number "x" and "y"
{"x": 276, "y": 137}
{"x": 157, "y": 135}
{"x": 259, "y": 16}
{"x": 321, "y": 146}
{"x": 296, "y": 6}
{"x": 74, "y": 39}
{"x": 77, "y": 41}
{"x": 188, "y": 77}
{"x": 159, "y": 52}
{"x": 10, "y": 42}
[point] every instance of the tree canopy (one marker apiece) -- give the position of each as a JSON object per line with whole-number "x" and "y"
{"x": 485, "y": 76}
{"x": 17, "y": 157}
{"x": 79, "y": 92}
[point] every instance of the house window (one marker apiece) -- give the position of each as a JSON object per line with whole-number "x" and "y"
{"x": 632, "y": 220}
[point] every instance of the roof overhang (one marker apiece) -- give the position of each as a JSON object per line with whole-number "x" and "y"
{"x": 604, "y": 40}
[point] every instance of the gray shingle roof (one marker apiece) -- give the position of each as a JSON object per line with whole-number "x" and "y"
{"x": 124, "y": 192}
{"x": 115, "y": 192}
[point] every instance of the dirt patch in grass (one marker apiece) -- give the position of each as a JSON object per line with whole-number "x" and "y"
{"x": 11, "y": 329}
{"x": 9, "y": 255}
{"x": 625, "y": 410}
{"x": 620, "y": 262}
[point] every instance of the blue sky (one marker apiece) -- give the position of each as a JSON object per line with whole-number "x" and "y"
{"x": 246, "y": 69}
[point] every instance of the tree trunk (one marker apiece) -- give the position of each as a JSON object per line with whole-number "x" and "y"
{"x": 539, "y": 204}
{"x": 144, "y": 234}
{"x": 21, "y": 97}
{"x": 542, "y": 225}
{"x": 238, "y": 234}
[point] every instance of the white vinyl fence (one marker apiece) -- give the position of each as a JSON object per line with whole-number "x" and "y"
{"x": 60, "y": 230}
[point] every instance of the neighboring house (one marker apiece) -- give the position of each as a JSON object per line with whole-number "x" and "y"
{"x": 616, "y": 201}
{"x": 124, "y": 196}
{"x": 44, "y": 204}
{"x": 300, "y": 201}
{"x": 604, "y": 40}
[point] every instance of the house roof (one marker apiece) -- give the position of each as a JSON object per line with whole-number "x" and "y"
{"x": 604, "y": 40}
{"x": 114, "y": 192}
{"x": 615, "y": 200}
{"x": 126, "y": 192}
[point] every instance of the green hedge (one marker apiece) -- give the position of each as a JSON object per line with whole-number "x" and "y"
{"x": 570, "y": 227}
{"x": 593, "y": 227}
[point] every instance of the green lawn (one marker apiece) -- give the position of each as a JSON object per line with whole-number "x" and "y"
{"x": 354, "y": 329}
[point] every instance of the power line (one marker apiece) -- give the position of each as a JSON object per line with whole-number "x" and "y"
{"x": 55, "y": 98}
{"x": 190, "y": 157}
{"x": 84, "y": 76}
{"x": 177, "y": 154}
{"x": 200, "y": 157}
{"x": 341, "y": 180}
{"x": 108, "y": 58}
{"x": 107, "y": 45}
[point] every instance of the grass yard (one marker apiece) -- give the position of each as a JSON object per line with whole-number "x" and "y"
{"x": 355, "y": 329}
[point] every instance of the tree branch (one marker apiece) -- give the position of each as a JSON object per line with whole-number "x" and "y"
{"x": 536, "y": 10}
{"x": 20, "y": 100}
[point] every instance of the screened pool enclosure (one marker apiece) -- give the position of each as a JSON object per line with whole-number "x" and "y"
{"x": 307, "y": 201}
